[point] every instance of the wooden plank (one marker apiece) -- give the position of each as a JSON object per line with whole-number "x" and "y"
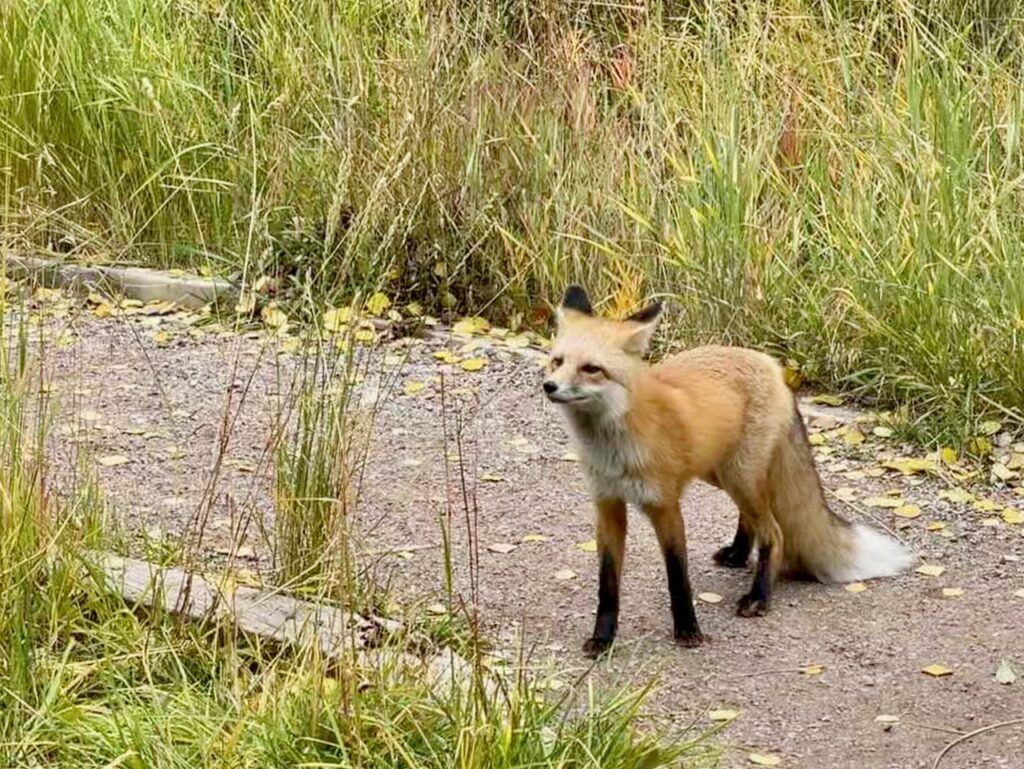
{"x": 269, "y": 614}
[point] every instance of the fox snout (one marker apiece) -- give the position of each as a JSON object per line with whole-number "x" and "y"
{"x": 551, "y": 389}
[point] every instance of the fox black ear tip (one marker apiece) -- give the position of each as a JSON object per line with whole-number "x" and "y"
{"x": 576, "y": 299}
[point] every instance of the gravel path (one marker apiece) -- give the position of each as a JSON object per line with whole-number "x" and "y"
{"x": 156, "y": 413}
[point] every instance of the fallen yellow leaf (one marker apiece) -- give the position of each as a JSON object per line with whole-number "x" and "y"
{"x": 590, "y": 546}
{"x": 886, "y": 719}
{"x": 948, "y": 455}
{"x": 470, "y": 326}
{"x": 828, "y": 400}
{"x": 935, "y": 526}
{"x": 724, "y": 715}
{"x": 937, "y": 671}
{"x": 931, "y": 570}
{"x": 956, "y": 494}
{"x": 1012, "y": 516}
{"x": 378, "y": 304}
{"x": 990, "y": 427}
{"x": 447, "y": 356}
{"x": 502, "y": 547}
{"x": 564, "y": 575}
{"x": 1018, "y": 594}
{"x": 764, "y": 759}
{"x": 570, "y": 456}
{"x": 473, "y": 364}
{"x": 274, "y": 317}
{"x": 113, "y": 461}
{"x": 411, "y": 388}
{"x": 986, "y": 506}
{"x": 535, "y": 538}
{"x": 856, "y": 587}
{"x": 336, "y": 318}
{"x": 907, "y": 511}
{"x": 812, "y": 670}
{"x": 910, "y": 466}
{"x": 710, "y": 597}
{"x": 952, "y": 592}
{"x": 853, "y": 437}
{"x": 365, "y": 335}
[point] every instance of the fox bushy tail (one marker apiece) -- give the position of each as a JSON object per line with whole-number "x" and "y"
{"x": 816, "y": 541}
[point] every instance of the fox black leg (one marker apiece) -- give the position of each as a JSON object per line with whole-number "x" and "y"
{"x": 668, "y": 525}
{"x": 735, "y": 556}
{"x": 755, "y": 603}
{"x": 611, "y": 540}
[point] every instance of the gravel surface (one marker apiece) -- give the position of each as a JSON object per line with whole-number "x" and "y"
{"x": 181, "y": 428}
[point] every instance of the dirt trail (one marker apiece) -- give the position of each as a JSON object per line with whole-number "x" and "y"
{"x": 162, "y": 408}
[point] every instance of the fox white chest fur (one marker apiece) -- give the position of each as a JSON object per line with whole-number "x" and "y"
{"x": 612, "y": 459}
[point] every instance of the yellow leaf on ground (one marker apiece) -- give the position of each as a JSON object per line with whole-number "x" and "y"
{"x": 937, "y": 671}
{"x": 986, "y": 506}
{"x": 378, "y": 304}
{"x": 909, "y": 466}
{"x": 274, "y": 317}
{"x": 990, "y": 427}
{"x": 724, "y": 715}
{"x": 887, "y": 719}
{"x": 892, "y": 502}
{"x": 336, "y": 318}
{"x": 590, "y": 546}
{"x": 473, "y": 364}
{"x": 853, "y": 437}
{"x": 518, "y": 341}
{"x": 907, "y": 511}
{"x": 952, "y": 592}
{"x": 113, "y": 461}
{"x": 816, "y": 439}
{"x": 535, "y": 538}
{"x": 956, "y": 494}
{"x": 411, "y": 388}
{"x": 502, "y": 547}
{"x": 948, "y": 455}
{"x": 764, "y": 759}
{"x": 437, "y": 609}
{"x": 812, "y": 670}
{"x": 1012, "y": 516}
{"x": 935, "y": 526}
{"x": 828, "y": 400}
{"x": 979, "y": 445}
{"x": 491, "y": 478}
{"x": 470, "y": 326}
{"x": 875, "y": 472}
{"x": 1018, "y": 594}
{"x": 710, "y": 597}
{"x": 1002, "y": 472}
{"x": 447, "y": 356}
{"x": 990, "y": 521}
{"x": 883, "y": 432}
{"x": 931, "y": 570}
{"x": 856, "y": 587}
{"x": 570, "y": 456}
{"x": 564, "y": 575}
{"x": 846, "y": 493}
{"x": 415, "y": 309}
{"x": 365, "y": 335}
{"x": 161, "y": 338}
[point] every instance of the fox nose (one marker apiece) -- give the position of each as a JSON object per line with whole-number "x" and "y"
{"x": 550, "y": 387}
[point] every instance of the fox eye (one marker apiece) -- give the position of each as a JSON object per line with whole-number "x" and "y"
{"x": 590, "y": 368}
{"x": 556, "y": 362}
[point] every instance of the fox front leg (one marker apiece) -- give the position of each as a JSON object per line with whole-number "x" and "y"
{"x": 668, "y": 525}
{"x": 611, "y": 547}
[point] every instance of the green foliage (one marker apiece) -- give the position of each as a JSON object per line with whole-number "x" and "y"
{"x": 834, "y": 180}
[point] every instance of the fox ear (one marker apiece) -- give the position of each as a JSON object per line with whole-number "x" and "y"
{"x": 640, "y": 328}
{"x": 576, "y": 299}
{"x": 647, "y": 314}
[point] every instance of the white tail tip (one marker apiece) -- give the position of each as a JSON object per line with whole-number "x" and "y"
{"x": 873, "y": 555}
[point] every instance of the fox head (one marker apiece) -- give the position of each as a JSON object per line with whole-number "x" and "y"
{"x": 593, "y": 359}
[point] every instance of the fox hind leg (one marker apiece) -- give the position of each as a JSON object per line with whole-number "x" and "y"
{"x": 736, "y": 555}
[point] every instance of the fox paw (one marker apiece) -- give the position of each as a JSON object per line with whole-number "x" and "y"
{"x": 731, "y": 557}
{"x": 596, "y": 647}
{"x": 752, "y": 606}
{"x": 690, "y": 640}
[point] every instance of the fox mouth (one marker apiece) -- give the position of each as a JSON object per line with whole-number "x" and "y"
{"x": 566, "y": 400}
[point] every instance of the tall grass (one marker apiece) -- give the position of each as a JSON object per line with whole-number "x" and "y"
{"x": 837, "y": 181}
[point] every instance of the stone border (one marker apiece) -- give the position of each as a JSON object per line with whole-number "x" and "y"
{"x": 131, "y": 282}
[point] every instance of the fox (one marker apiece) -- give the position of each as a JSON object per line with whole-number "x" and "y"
{"x": 722, "y": 415}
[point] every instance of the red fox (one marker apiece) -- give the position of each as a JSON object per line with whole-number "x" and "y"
{"x": 721, "y": 414}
